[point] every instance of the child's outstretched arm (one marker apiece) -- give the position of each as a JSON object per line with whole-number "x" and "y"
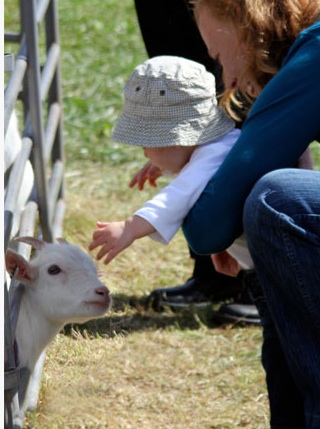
{"x": 114, "y": 237}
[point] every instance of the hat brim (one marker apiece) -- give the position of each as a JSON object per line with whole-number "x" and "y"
{"x": 158, "y": 133}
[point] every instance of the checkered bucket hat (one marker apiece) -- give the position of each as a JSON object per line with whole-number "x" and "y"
{"x": 170, "y": 101}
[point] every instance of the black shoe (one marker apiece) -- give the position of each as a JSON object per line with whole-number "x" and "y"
{"x": 242, "y": 310}
{"x": 194, "y": 293}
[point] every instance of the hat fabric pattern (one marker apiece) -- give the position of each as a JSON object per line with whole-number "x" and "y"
{"x": 170, "y": 101}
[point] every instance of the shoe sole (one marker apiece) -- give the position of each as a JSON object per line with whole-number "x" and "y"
{"x": 178, "y": 306}
{"x": 228, "y": 318}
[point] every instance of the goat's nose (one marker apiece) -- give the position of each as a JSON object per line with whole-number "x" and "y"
{"x": 103, "y": 291}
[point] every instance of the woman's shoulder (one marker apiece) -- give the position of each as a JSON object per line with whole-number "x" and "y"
{"x": 307, "y": 41}
{"x": 312, "y": 31}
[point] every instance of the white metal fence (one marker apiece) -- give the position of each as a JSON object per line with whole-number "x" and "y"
{"x": 36, "y": 88}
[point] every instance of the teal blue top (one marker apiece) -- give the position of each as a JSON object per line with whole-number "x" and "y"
{"x": 284, "y": 120}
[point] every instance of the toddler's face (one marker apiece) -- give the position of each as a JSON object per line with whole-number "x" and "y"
{"x": 171, "y": 159}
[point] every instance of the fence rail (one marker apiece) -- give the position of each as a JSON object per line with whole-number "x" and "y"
{"x": 35, "y": 85}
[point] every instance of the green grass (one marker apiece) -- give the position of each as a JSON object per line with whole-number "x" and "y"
{"x": 315, "y": 149}
{"x": 134, "y": 369}
{"x": 101, "y": 45}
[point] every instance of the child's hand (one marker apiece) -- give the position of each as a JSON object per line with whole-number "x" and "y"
{"x": 113, "y": 237}
{"x": 148, "y": 173}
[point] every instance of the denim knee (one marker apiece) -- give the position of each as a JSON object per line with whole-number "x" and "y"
{"x": 290, "y": 192}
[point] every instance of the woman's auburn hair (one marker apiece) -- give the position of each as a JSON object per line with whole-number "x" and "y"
{"x": 267, "y": 28}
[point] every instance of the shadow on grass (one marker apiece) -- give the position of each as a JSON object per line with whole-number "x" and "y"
{"x": 131, "y": 314}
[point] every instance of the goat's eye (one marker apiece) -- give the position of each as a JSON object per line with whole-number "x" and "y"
{"x": 54, "y": 269}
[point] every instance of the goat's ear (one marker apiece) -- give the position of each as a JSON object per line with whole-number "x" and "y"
{"x": 34, "y": 242}
{"x": 27, "y": 273}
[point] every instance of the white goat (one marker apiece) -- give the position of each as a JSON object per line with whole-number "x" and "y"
{"x": 61, "y": 287}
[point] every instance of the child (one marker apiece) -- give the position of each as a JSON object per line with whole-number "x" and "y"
{"x": 171, "y": 111}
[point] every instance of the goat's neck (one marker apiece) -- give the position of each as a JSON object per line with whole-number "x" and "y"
{"x": 34, "y": 331}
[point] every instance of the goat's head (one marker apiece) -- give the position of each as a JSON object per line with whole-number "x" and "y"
{"x": 63, "y": 281}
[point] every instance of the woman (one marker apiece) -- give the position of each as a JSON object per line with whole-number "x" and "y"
{"x": 270, "y": 50}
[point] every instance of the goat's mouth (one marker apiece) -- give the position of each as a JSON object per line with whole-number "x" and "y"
{"x": 99, "y": 305}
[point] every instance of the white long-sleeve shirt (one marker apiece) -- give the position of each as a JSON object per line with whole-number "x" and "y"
{"x": 167, "y": 209}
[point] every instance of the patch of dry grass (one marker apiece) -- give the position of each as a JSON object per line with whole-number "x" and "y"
{"x": 155, "y": 378}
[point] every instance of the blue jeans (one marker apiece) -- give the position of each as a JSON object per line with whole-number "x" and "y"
{"x": 282, "y": 225}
